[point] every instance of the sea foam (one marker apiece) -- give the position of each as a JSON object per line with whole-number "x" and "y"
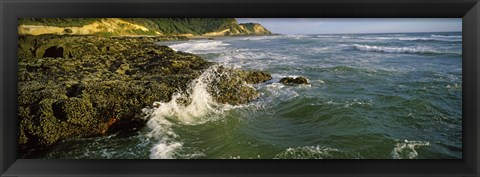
{"x": 445, "y": 36}
{"x": 421, "y": 50}
{"x": 201, "y": 46}
{"x": 307, "y": 152}
{"x": 407, "y": 149}
{"x": 414, "y": 39}
{"x": 163, "y": 114}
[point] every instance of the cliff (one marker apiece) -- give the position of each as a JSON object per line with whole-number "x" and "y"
{"x": 139, "y": 27}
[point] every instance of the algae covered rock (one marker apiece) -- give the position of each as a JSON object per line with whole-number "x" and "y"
{"x": 81, "y": 86}
{"x": 74, "y": 86}
{"x": 255, "y": 77}
{"x": 291, "y": 80}
{"x": 233, "y": 86}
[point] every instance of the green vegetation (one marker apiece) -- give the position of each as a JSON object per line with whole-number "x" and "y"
{"x": 60, "y": 22}
{"x": 164, "y": 26}
{"x": 141, "y": 32}
{"x": 249, "y": 26}
{"x": 105, "y": 34}
{"x": 196, "y": 26}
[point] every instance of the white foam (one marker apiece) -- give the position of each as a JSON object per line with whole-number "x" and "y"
{"x": 406, "y": 149}
{"x": 200, "y": 46}
{"x": 445, "y": 36}
{"x": 327, "y": 36}
{"x": 433, "y": 38}
{"x": 159, "y": 117}
{"x": 280, "y": 91}
{"x": 324, "y": 36}
{"x": 296, "y": 36}
{"x": 253, "y": 59}
{"x": 322, "y": 49}
{"x": 356, "y": 101}
{"x": 307, "y": 152}
{"x": 370, "y": 48}
{"x": 378, "y": 38}
{"x": 454, "y": 86}
{"x": 429, "y": 39}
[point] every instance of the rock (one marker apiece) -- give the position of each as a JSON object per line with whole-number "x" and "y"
{"x": 290, "y": 80}
{"x": 81, "y": 86}
{"x": 229, "y": 86}
{"x": 255, "y": 77}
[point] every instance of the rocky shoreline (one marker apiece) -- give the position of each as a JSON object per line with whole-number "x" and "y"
{"x": 82, "y": 86}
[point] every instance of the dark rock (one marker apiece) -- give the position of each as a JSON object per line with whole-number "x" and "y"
{"x": 290, "y": 80}
{"x": 228, "y": 86}
{"x": 255, "y": 77}
{"x": 68, "y": 31}
{"x": 54, "y": 52}
{"x": 74, "y": 90}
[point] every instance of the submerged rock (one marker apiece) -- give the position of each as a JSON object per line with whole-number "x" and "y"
{"x": 291, "y": 80}
{"x": 80, "y": 86}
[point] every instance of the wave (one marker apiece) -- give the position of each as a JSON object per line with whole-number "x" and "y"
{"x": 307, "y": 152}
{"x": 397, "y": 37}
{"x": 328, "y": 36}
{"x": 430, "y": 39}
{"x": 316, "y": 152}
{"x": 296, "y": 36}
{"x": 445, "y": 36}
{"x": 442, "y": 39}
{"x": 200, "y": 47}
{"x": 360, "y": 37}
{"x": 161, "y": 115}
{"x": 407, "y": 149}
{"x": 414, "y": 50}
{"x": 322, "y": 49}
{"x": 253, "y": 59}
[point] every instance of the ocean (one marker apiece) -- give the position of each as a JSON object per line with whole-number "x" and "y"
{"x": 370, "y": 96}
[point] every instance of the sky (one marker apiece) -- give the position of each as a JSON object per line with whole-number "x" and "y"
{"x": 355, "y": 25}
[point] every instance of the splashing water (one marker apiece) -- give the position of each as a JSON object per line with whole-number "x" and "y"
{"x": 200, "y": 108}
{"x": 160, "y": 117}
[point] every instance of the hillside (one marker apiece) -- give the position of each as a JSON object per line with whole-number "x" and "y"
{"x": 139, "y": 26}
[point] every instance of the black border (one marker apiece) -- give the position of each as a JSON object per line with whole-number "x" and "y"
{"x": 469, "y": 10}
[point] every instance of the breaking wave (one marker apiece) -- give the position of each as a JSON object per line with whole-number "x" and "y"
{"x": 163, "y": 115}
{"x": 415, "y": 39}
{"x": 430, "y": 39}
{"x": 400, "y": 38}
{"x": 445, "y": 36}
{"x": 414, "y": 50}
{"x": 201, "y": 47}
